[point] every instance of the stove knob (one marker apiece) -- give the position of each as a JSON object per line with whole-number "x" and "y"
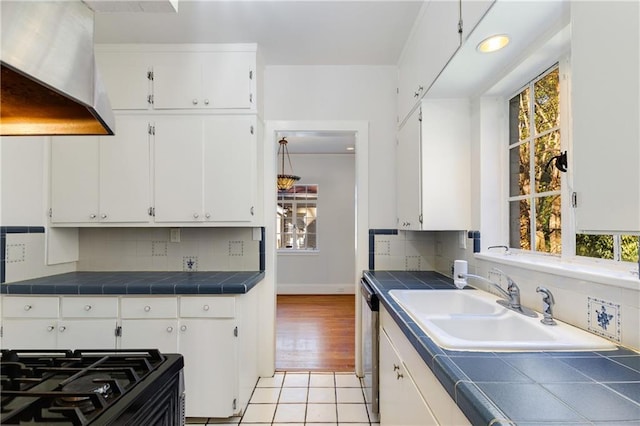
{"x": 62, "y": 328}
{"x": 183, "y": 328}
{"x": 50, "y": 328}
{"x": 169, "y": 329}
{"x": 27, "y": 307}
{"x": 147, "y": 308}
{"x": 205, "y": 307}
{"x": 87, "y": 307}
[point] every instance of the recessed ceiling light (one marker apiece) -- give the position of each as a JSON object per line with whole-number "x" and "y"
{"x": 493, "y": 43}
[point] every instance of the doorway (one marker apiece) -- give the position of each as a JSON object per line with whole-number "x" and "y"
{"x": 358, "y": 237}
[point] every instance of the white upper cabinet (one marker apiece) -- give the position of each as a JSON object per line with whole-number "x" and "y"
{"x": 102, "y": 179}
{"x": 434, "y": 167}
{"x": 180, "y": 77}
{"x": 605, "y": 109}
{"x": 205, "y": 169}
{"x": 472, "y": 13}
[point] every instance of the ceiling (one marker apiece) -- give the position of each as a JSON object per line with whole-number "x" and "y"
{"x": 288, "y": 32}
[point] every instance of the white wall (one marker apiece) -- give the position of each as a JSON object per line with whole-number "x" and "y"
{"x": 330, "y": 269}
{"x": 345, "y": 93}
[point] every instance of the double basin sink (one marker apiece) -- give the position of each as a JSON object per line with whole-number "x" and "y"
{"x": 471, "y": 320}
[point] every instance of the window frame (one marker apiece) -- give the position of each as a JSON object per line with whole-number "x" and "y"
{"x": 294, "y": 202}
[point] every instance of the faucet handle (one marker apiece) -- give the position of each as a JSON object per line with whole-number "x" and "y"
{"x": 547, "y": 306}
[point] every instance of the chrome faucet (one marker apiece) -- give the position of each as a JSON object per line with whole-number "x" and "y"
{"x": 511, "y": 296}
{"x": 547, "y": 306}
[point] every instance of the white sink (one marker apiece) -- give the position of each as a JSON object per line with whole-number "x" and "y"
{"x": 472, "y": 321}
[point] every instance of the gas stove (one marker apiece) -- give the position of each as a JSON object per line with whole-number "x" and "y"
{"x": 91, "y": 387}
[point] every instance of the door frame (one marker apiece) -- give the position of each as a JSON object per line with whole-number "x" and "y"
{"x": 270, "y": 149}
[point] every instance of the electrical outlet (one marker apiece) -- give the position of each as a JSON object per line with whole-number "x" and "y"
{"x": 175, "y": 235}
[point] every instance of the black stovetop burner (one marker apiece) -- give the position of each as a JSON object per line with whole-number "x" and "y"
{"x": 84, "y": 387}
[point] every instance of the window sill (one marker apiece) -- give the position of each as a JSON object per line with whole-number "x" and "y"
{"x": 289, "y": 252}
{"x": 624, "y": 275}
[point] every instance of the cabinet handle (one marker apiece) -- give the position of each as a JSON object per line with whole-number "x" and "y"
{"x": 104, "y": 216}
{"x": 27, "y": 307}
{"x": 183, "y": 328}
{"x": 207, "y": 215}
{"x": 147, "y": 308}
{"x": 87, "y": 307}
{"x": 399, "y": 376}
{"x": 205, "y": 308}
{"x": 92, "y": 216}
{"x": 195, "y": 102}
{"x": 206, "y": 101}
{"x": 196, "y": 215}
{"x": 50, "y": 328}
{"x": 62, "y": 328}
{"x": 251, "y": 210}
{"x": 416, "y": 94}
{"x": 169, "y": 329}
{"x": 396, "y": 367}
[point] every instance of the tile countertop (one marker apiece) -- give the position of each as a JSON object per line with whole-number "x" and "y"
{"x": 525, "y": 388}
{"x": 121, "y": 283}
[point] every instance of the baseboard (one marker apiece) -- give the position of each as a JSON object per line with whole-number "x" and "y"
{"x": 315, "y": 289}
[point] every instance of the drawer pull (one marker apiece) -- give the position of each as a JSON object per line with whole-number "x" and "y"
{"x": 62, "y": 328}
{"x": 87, "y": 307}
{"x": 205, "y": 308}
{"x": 147, "y": 308}
{"x": 27, "y": 307}
{"x": 169, "y": 329}
{"x": 195, "y": 102}
{"x": 183, "y": 328}
{"x": 206, "y": 101}
{"x": 50, "y": 328}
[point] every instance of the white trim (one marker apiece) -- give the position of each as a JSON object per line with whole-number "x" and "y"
{"x": 361, "y": 130}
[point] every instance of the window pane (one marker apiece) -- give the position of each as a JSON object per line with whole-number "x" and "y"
{"x": 519, "y": 170}
{"x": 548, "y": 225}
{"x": 547, "y": 147}
{"x": 519, "y": 225}
{"x": 600, "y": 246}
{"x": 546, "y": 99}
{"x": 519, "y": 126}
{"x": 629, "y": 248}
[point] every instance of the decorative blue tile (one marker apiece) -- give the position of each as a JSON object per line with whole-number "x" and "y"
{"x": 523, "y": 402}
{"x": 589, "y": 400}
{"x": 603, "y": 318}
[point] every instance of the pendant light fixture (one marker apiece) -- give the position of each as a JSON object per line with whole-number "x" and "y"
{"x": 285, "y": 181}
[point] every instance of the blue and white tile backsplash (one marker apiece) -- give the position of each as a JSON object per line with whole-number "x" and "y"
{"x": 151, "y": 249}
{"x": 603, "y": 318}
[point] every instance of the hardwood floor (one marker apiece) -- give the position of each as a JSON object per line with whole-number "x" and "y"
{"x": 315, "y": 333}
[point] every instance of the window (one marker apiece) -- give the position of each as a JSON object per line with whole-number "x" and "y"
{"x": 535, "y": 220}
{"x": 297, "y": 218}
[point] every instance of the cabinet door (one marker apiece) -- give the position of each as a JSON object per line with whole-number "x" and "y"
{"x": 161, "y": 334}
{"x": 433, "y": 43}
{"x": 400, "y": 401}
{"x": 408, "y": 174}
{"x": 87, "y": 334}
{"x": 211, "y": 370}
{"x": 125, "y": 172}
{"x": 29, "y": 333}
{"x": 605, "y": 110}
{"x": 472, "y": 13}
{"x": 126, "y": 79}
{"x": 178, "y": 169}
{"x": 230, "y": 181}
{"x": 74, "y": 179}
{"x": 177, "y": 81}
{"x": 226, "y": 79}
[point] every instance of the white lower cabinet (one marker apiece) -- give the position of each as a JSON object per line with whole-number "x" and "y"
{"x": 410, "y": 394}
{"x": 217, "y": 335}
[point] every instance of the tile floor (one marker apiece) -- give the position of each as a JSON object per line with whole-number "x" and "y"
{"x": 298, "y": 398}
